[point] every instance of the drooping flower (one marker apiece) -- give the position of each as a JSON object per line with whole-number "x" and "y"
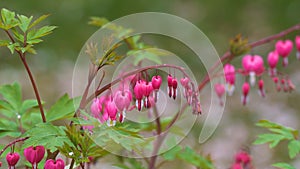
{"x": 51, "y": 164}
{"x": 245, "y": 90}
{"x": 284, "y": 48}
{"x": 174, "y": 87}
{"x": 138, "y": 92}
{"x": 184, "y": 82}
{"x": 229, "y": 72}
{"x": 34, "y": 155}
{"x": 147, "y": 91}
{"x": 243, "y": 157}
{"x": 96, "y": 108}
{"x": 122, "y": 100}
{"x": 273, "y": 59}
{"x": 261, "y": 89}
{"x": 170, "y": 88}
{"x": 237, "y": 166}
{"x": 253, "y": 66}
{"x": 220, "y": 91}
{"x": 297, "y": 41}
{"x": 12, "y": 159}
{"x": 156, "y": 82}
{"x": 111, "y": 109}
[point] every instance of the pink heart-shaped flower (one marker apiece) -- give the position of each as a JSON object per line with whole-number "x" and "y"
{"x": 12, "y": 158}
{"x": 123, "y": 99}
{"x": 253, "y": 64}
{"x": 51, "y": 164}
{"x": 284, "y": 48}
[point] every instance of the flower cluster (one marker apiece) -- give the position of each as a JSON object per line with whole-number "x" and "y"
{"x": 34, "y": 156}
{"x": 242, "y": 161}
{"x": 112, "y": 106}
{"x": 253, "y": 67}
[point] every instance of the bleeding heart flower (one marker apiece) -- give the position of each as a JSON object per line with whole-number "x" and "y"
{"x": 261, "y": 88}
{"x": 156, "y": 82}
{"x": 284, "y": 48}
{"x": 96, "y": 108}
{"x": 237, "y": 166}
{"x": 297, "y": 41}
{"x": 229, "y": 72}
{"x": 254, "y": 66}
{"x": 111, "y": 109}
{"x": 34, "y": 155}
{"x": 185, "y": 82}
{"x": 139, "y": 93}
{"x": 51, "y": 164}
{"x": 12, "y": 159}
{"x": 170, "y": 79}
{"x": 243, "y": 157}
{"x": 220, "y": 91}
{"x": 174, "y": 86}
{"x": 273, "y": 59}
{"x": 123, "y": 99}
{"x": 245, "y": 89}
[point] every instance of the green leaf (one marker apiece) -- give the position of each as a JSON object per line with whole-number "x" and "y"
{"x": 47, "y": 135}
{"x": 141, "y": 54}
{"x": 43, "y": 31}
{"x": 171, "y": 154}
{"x": 38, "y": 20}
{"x": 190, "y": 156}
{"x": 28, "y": 104}
{"x": 63, "y": 108}
{"x": 273, "y": 139}
{"x": 4, "y": 42}
{"x": 24, "y": 22}
{"x": 283, "y": 166}
{"x": 294, "y": 148}
{"x": 12, "y": 94}
{"x": 8, "y": 19}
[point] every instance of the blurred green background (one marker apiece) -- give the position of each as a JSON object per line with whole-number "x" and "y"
{"x": 219, "y": 20}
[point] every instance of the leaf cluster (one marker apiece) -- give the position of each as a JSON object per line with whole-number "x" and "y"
{"x": 188, "y": 155}
{"x": 22, "y": 31}
{"x": 279, "y": 133}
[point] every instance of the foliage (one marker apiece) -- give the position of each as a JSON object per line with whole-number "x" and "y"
{"x": 188, "y": 155}
{"x": 17, "y": 115}
{"x": 278, "y": 134}
{"x": 24, "y": 32}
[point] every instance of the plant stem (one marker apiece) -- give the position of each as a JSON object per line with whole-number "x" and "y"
{"x": 72, "y": 163}
{"x": 36, "y": 92}
{"x": 12, "y": 143}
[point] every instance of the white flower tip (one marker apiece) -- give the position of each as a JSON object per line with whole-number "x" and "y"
{"x": 252, "y": 78}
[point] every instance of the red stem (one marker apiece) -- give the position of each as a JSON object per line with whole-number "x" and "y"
{"x": 36, "y": 92}
{"x": 12, "y": 143}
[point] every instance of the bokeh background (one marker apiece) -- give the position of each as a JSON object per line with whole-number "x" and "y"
{"x": 219, "y": 20}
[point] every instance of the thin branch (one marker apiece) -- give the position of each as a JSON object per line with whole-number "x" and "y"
{"x": 36, "y": 92}
{"x": 12, "y": 143}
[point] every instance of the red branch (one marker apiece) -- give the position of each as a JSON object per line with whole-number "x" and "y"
{"x": 12, "y": 143}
